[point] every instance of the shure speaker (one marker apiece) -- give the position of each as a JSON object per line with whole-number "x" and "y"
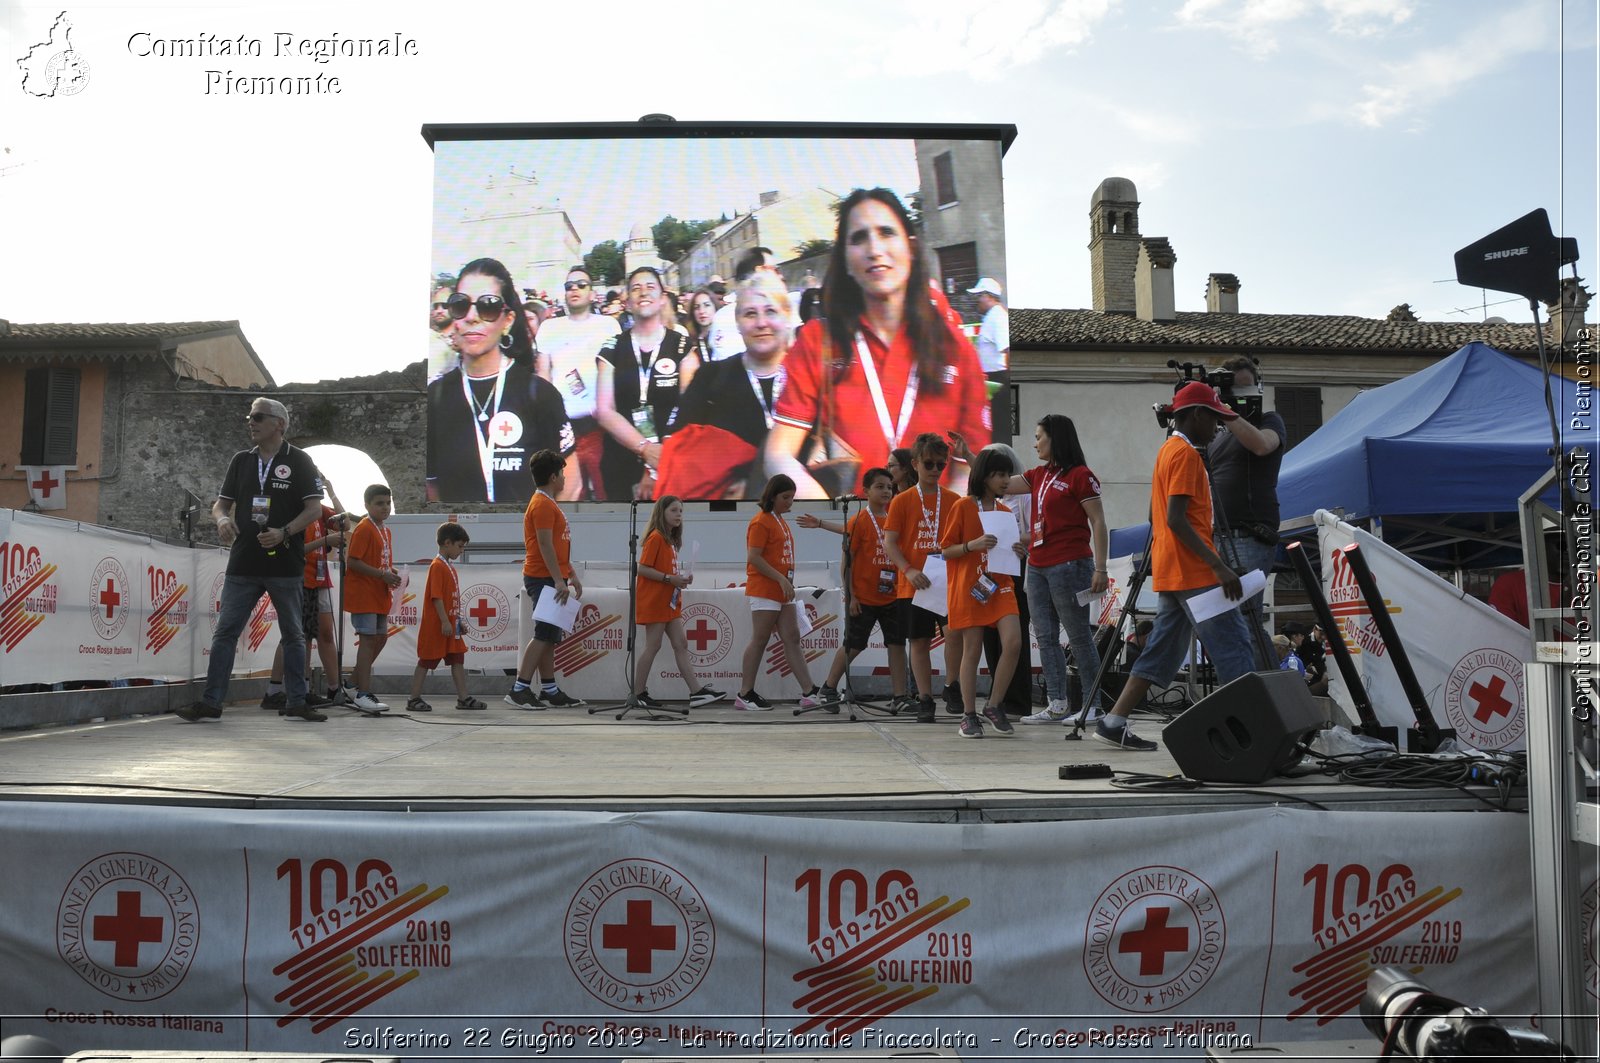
{"x": 1245, "y": 732}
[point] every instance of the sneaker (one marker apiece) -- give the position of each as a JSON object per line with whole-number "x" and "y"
{"x": 925, "y": 712}
{"x": 562, "y": 700}
{"x": 418, "y": 705}
{"x": 952, "y": 699}
{"x": 812, "y": 699}
{"x": 705, "y": 696}
{"x": 1094, "y": 715}
{"x": 274, "y": 701}
{"x": 1122, "y": 737}
{"x": 752, "y": 702}
{"x": 902, "y": 703}
{"x": 196, "y": 711}
{"x": 643, "y": 700}
{"x": 470, "y": 703}
{"x": 317, "y": 701}
{"x": 368, "y": 703}
{"x": 1056, "y": 712}
{"x": 525, "y": 699}
{"x": 970, "y": 727}
{"x": 345, "y": 695}
{"x": 301, "y": 712}
{"x": 997, "y": 719}
{"x": 828, "y": 696}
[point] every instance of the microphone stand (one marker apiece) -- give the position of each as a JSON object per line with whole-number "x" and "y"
{"x": 844, "y": 568}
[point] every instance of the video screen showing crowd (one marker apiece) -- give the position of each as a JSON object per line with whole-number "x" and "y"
{"x": 704, "y": 394}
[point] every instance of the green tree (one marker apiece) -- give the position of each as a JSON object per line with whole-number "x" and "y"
{"x": 674, "y": 238}
{"x": 604, "y": 262}
{"x": 814, "y": 246}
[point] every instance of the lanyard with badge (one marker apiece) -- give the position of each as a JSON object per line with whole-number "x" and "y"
{"x": 455, "y": 596}
{"x": 778, "y": 379}
{"x": 886, "y": 572}
{"x": 261, "y": 505}
{"x": 1038, "y": 507}
{"x": 984, "y": 587}
{"x": 891, "y": 432}
{"x": 932, "y": 523}
{"x": 788, "y": 547}
{"x": 480, "y": 430}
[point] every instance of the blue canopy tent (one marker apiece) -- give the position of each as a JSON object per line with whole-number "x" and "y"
{"x": 1439, "y": 457}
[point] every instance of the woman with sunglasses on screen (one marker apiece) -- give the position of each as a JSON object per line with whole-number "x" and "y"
{"x": 490, "y": 414}
{"x": 884, "y": 365}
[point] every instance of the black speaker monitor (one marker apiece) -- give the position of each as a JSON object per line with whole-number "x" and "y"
{"x": 1245, "y": 732}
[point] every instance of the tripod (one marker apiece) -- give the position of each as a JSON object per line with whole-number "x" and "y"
{"x": 663, "y": 712}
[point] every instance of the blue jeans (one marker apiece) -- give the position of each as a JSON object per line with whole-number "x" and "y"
{"x": 239, "y": 597}
{"x": 1250, "y": 554}
{"x": 1053, "y": 603}
{"x": 1226, "y": 638}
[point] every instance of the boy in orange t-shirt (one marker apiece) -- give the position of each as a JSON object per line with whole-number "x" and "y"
{"x": 911, "y": 533}
{"x": 440, "y": 630}
{"x": 1183, "y": 563}
{"x": 369, "y": 583}
{"x": 546, "y": 562}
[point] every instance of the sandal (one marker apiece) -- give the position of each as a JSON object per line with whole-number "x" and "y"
{"x": 418, "y": 705}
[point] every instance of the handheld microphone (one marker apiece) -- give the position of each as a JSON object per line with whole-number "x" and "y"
{"x": 838, "y": 499}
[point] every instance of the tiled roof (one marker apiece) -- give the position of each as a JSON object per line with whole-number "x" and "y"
{"x": 17, "y": 332}
{"x": 1063, "y": 329}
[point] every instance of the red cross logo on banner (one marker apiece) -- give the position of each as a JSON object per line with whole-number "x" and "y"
{"x": 1491, "y": 702}
{"x": 110, "y": 598}
{"x": 1154, "y": 941}
{"x": 482, "y": 613}
{"x": 127, "y": 929}
{"x": 701, "y": 634}
{"x": 640, "y": 937}
{"x": 45, "y": 484}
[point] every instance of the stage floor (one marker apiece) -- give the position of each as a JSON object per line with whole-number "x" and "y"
{"x": 718, "y": 759}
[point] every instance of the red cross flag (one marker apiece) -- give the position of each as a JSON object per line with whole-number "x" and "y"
{"x": 47, "y": 484}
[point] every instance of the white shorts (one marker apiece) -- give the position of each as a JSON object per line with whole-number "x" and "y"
{"x": 764, "y": 605}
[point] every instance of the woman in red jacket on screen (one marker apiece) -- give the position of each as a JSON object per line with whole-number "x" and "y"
{"x": 883, "y": 365}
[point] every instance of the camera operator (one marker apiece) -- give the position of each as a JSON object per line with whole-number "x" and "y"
{"x": 1244, "y": 464}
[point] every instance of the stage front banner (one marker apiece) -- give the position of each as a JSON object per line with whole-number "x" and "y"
{"x": 521, "y": 933}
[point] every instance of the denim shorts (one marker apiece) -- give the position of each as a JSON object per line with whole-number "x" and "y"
{"x": 532, "y": 587}
{"x": 369, "y": 623}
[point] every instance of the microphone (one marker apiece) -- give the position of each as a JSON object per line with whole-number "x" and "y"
{"x": 840, "y": 499}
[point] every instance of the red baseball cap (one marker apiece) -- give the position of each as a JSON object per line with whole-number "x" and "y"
{"x": 1199, "y": 393}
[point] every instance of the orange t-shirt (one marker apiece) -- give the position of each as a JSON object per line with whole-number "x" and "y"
{"x": 963, "y": 610}
{"x": 653, "y": 602}
{"x": 867, "y": 559}
{"x": 1179, "y": 471}
{"x": 770, "y": 534}
{"x": 917, "y": 523}
{"x": 369, "y": 594}
{"x": 317, "y": 574}
{"x": 443, "y": 585}
{"x": 542, "y": 512}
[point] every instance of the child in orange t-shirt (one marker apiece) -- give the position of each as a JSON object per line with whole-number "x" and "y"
{"x": 917, "y": 518}
{"x": 546, "y": 563}
{"x": 658, "y": 605}
{"x": 440, "y": 628}
{"x": 769, "y": 587}
{"x": 870, "y": 591}
{"x": 978, "y": 598}
{"x": 370, "y": 580}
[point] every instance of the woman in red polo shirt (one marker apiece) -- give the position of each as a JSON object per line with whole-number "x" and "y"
{"x": 769, "y": 587}
{"x": 885, "y": 365}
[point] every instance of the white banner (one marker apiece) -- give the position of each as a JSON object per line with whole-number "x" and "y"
{"x": 47, "y": 484}
{"x": 441, "y": 935}
{"x": 1468, "y": 658}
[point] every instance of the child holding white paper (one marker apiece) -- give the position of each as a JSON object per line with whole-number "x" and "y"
{"x": 978, "y": 597}
{"x": 546, "y": 564}
{"x": 911, "y": 532}
{"x": 658, "y": 604}
{"x": 769, "y": 588}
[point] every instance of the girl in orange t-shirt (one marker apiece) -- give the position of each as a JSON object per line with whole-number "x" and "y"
{"x": 769, "y": 586}
{"x": 979, "y": 598}
{"x": 658, "y": 605}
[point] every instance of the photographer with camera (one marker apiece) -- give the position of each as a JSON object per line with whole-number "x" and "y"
{"x": 1244, "y": 464}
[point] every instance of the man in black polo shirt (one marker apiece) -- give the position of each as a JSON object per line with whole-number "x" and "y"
{"x": 274, "y": 491}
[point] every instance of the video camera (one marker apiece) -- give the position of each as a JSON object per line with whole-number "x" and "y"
{"x": 1413, "y": 1022}
{"x": 1246, "y": 402}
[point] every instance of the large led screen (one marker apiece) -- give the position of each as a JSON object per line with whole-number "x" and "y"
{"x": 690, "y": 314}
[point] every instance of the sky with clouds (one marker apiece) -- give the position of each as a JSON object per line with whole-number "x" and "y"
{"x": 1333, "y": 154}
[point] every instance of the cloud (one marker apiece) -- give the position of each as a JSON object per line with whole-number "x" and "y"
{"x": 990, "y": 43}
{"x": 1435, "y": 73}
{"x": 1258, "y": 24}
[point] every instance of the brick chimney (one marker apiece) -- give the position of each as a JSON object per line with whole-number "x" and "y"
{"x": 1113, "y": 244}
{"x": 1566, "y": 315}
{"x": 1222, "y": 294}
{"x": 1152, "y": 280}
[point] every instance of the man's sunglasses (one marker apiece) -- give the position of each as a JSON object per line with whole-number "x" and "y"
{"x": 490, "y": 307}
{"x": 575, "y": 286}
{"x": 934, "y": 466}
{"x": 256, "y": 416}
